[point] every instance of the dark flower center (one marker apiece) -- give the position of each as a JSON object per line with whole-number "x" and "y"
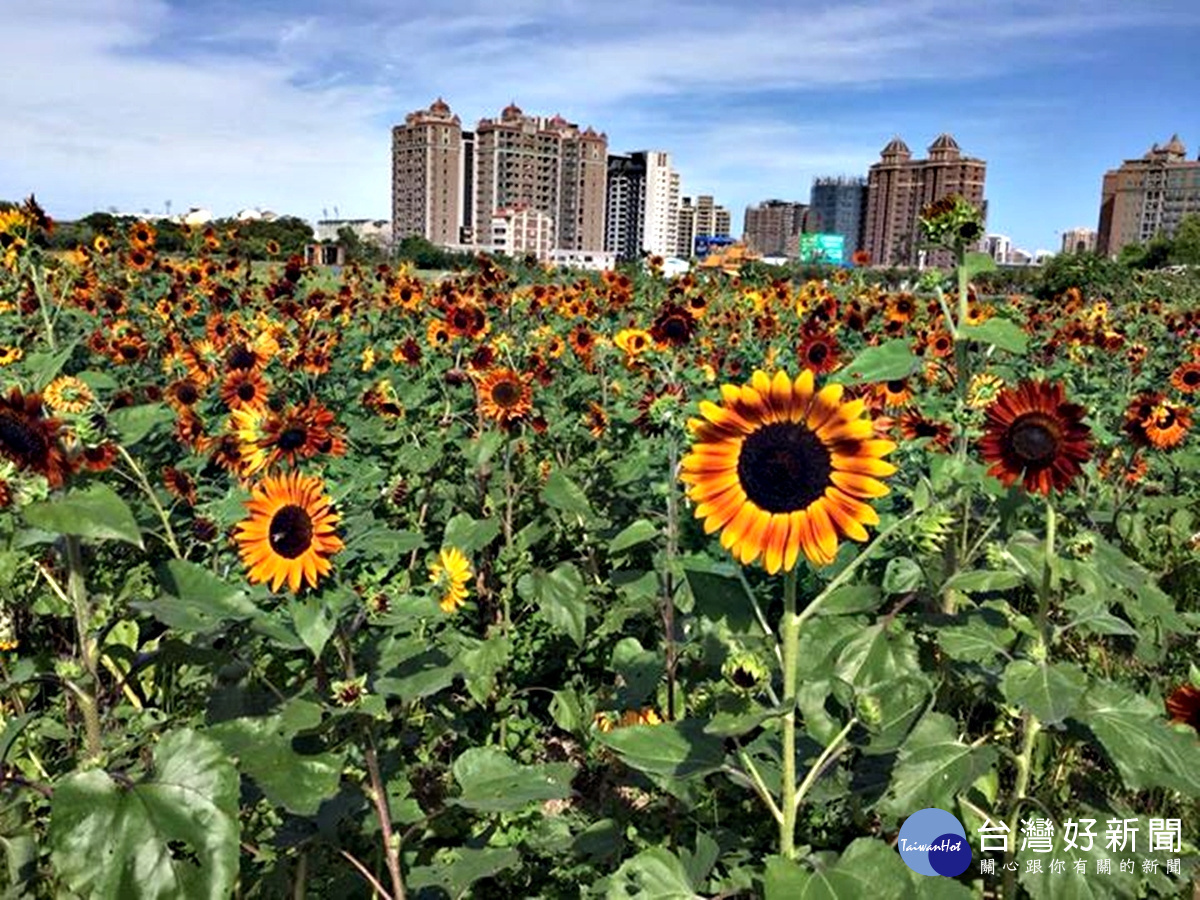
{"x": 925, "y": 429}
{"x": 896, "y": 387}
{"x": 744, "y": 678}
{"x": 783, "y": 467}
{"x": 506, "y": 394}
{"x": 246, "y": 391}
{"x": 676, "y": 329}
{"x": 23, "y": 443}
{"x": 818, "y": 352}
{"x": 187, "y": 394}
{"x": 1035, "y": 438}
{"x": 240, "y": 357}
{"x": 291, "y": 531}
{"x": 293, "y": 438}
{"x": 130, "y": 351}
{"x": 1191, "y": 377}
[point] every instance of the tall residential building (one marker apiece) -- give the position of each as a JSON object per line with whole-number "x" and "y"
{"x": 643, "y": 201}
{"x": 549, "y": 164}
{"x": 702, "y": 219}
{"x": 839, "y": 206}
{"x": 899, "y": 187}
{"x": 427, "y": 175}
{"x": 1147, "y": 196}
{"x": 1079, "y": 240}
{"x": 771, "y": 226}
{"x": 520, "y": 229}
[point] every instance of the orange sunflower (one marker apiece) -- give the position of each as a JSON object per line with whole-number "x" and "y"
{"x": 1152, "y": 420}
{"x": 1187, "y": 377}
{"x": 290, "y": 532}
{"x": 781, "y": 468}
{"x": 504, "y": 396}
{"x": 1034, "y": 434}
{"x": 30, "y": 440}
{"x": 819, "y": 352}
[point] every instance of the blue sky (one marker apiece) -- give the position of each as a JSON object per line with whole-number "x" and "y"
{"x": 288, "y": 105}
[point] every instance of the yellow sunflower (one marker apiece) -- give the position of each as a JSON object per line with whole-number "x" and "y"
{"x": 289, "y": 535}
{"x": 780, "y": 468}
{"x": 67, "y": 394}
{"x": 450, "y": 575}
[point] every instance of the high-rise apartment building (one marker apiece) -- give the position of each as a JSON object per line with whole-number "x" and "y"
{"x": 839, "y": 206}
{"x": 643, "y": 202}
{"x": 702, "y": 219}
{"x": 1147, "y": 196}
{"x": 427, "y": 175}
{"x": 447, "y": 183}
{"x": 771, "y": 227}
{"x": 1079, "y": 240}
{"x": 520, "y": 230}
{"x": 549, "y": 164}
{"x": 899, "y": 187}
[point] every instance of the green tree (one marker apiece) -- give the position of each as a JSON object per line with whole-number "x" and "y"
{"x": 1185, "y": 247}
{"x": 1094, "y": 275}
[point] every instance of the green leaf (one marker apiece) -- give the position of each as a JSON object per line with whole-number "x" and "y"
{"x": 44, "y": 366}
{"x": 560, "y": 597}
{"x": 174, "y": 834}
{"x": 637, "y": 533}
{"x": 420, "y": 675}
{"x": 640, "y": 670}
{"x": 868, "y": 868}
{"x": 720, "y": 596}
{"x": 933, "y": 766}
{"x": 851, "y": 598}
{"x": 197, "y": 601}
{"x": 984, "y": 635}
{"x": 95, "y": 512}
{"x": 263, "y": 747}
{"x": 314, "y": 622}
{"x": 1049, "y": 691}
{"x": 133, "y": 423}
{"x": 680, "y": 749}
{"x": 470, "y": 535}
{"x": 885, "y": 362}
{"x": 976, "y": 263}
{"x": 567, "y": 710}
{"x": 1001, "y": 332}
{"x": 654, "y": 874}
{"x": 900, "y": 703}
{"x": 1147, "y": 751}
{"x": 385, "y": 542}
{"x": 877, "y": 654}
{"x": 902, "y": 576}
{"x": 563, "y": 494}
{"x": 491, "y": 782}
{"x": 984, "y": 580}
{"x": 456, "y": 870}
{"x": 481, "y": 662}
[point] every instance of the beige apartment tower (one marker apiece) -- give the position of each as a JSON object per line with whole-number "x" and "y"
{"x": 899, "y": 187}
{"x": 427, "y": 175}
{"x": 1147, "y": 196}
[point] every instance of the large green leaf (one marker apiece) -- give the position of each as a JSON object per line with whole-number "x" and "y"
{"x": 889, "y": 360}
{"x": 1147, "y": 751}
{"x": 1001, "y": 332}
{"x": 133, "y": 423}
{"x": 1051, "y": 691}
{"x": 470, "y": 535}
{"x": 196, "y": 600}
{"x": 563, "y": 494}
{"x": 877, "y": 654}
{"x": 983, "y": 635}
{"x": 174, "y": 834}
{"x": 680, "y": 749}
{"x": 637, "y": 533}
{"x": 654, "y": 874}
{"x": 933, "y": 766}
{"x": 263, "y": 747}
{"x": 560, "y": 597}
{"x": 456, "y": 870}
{"x": 94, "y": 512}
{"x": 491, "y": 782}
{"x": 868, "y": 868}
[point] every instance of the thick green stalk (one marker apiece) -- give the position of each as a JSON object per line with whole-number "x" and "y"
{"x": 790, "y": 629}
{"x": 77, "y": 591}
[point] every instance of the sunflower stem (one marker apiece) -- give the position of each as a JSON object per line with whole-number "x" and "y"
{"x": 823, "y": 760}
{"x": 672, "y": 550}
{"x": 77, "y": 591}
{"x": 790, "y": 628}
{"x": 391, "y": 840}
{"x": 168, "y": 534}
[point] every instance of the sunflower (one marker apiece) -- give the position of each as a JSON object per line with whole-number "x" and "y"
{"x": 1034, "y": 434}
{"x": 245, "y": 389}
{"x": 450, "y": 575}
{"x": 128, "y": 349}
{"x": 29, "y": 439}
{"x": 780, "y": 468}
{"x": 409, "y": 352}
{"x": 819, "y": 352}
{"x": 180, "y": 484}
{"x": 67, "y": 394}
{"x": 939, "y": 344}
{"x": 634, "y": 341}
{"x": 1187, "y": 377}
{"x": 268, "y": 438}
{"x": 101, "y": 244}
{"x": 142, "y": 235}
{"x": 915, "y": 427}
{"x": 1183, "y": 705}
{"x": 139, "y": 258}
{"x": 983, "y": 390}
{"x": 100, "y": 457}
{"x": 596, "y": 420}
{"x": 894, "y": 394}
{"x": 1153, "y": 421}
{"x": 504, "y": 396}
{"x": 673, "y": 326}
{"x": 10, "y": 355}
{"x": 183, "y": 394}
{"x": 901, "y": 307}
{"x": 289, "y": 534}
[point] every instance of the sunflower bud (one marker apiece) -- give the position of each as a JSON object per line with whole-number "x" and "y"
{"x": 745, "y": 672}
{"x": 869, "y": 710}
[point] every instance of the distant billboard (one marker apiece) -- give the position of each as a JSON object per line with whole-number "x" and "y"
{"x": 823, "y": 248}
{"x": 706, "y": 244}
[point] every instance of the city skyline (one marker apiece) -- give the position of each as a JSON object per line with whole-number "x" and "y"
{"x": 290, "y": 106}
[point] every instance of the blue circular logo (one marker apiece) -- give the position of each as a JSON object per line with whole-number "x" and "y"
{"x": 934, "y": 842}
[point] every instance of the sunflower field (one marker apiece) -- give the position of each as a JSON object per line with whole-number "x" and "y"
{"x": 527, "y": 583}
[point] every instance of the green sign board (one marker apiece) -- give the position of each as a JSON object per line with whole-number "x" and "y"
{"x": 822, "y": 248}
